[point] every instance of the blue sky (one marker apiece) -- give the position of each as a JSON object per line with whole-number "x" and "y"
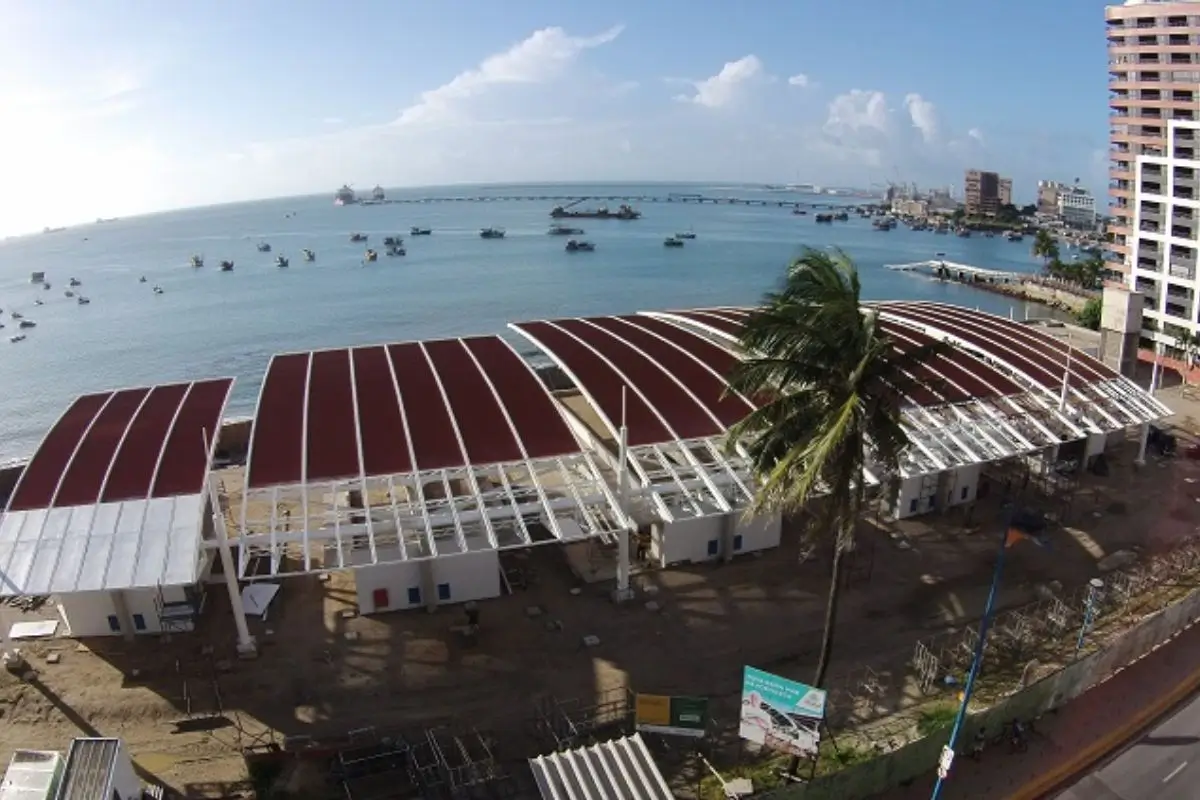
{"x": 112, "y": 108}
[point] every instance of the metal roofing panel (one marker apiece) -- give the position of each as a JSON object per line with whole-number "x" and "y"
{"x": 622, "y": 769}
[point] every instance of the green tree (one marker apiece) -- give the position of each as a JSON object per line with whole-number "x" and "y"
{"x": 1190, "y": 345}
{"x": 1089, "y": 315}
{"x": 832, "y": 386}
{"x": 959, "y": 215}
{"x": 1029, "y": 210}
{"x": 1045, "y": 247}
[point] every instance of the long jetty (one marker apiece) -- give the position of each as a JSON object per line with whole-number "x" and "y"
{"x": 952, "y": 270}
{"x": 695, "y": 199}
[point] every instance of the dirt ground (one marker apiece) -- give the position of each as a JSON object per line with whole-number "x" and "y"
{"x": 321, "y": 675}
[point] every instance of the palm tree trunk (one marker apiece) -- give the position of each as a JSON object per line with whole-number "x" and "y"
{"x": 831, "y": 610}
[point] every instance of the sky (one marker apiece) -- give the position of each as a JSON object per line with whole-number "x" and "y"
{"x": 120, "y": 107}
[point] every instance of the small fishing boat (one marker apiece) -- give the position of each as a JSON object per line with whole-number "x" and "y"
{"x": 393, "y": 241}
{"x": 74, "y": 282}
{"x": 415, "y": 231}
{"x": 83, "y": 301}
{"x": 38, "y": 302}
{"x": 158, "y": 290}
{"x": 309, "y": 255}
{"x": 27, "y": 323}
{"x": 799, "y": 212}
{"x": 824, "y": 218}
{"x": 492, "y": 233}
{"x": 686, "y": 235}
{"x": 576, "y": 246}
{"x": 370, "y": 255}
{"x": 68, "y": 293}
{"x": 358, "y": 237}
{"x": 671, "y": 241}
{"x": 197, "y": 261}
{"x": 564, "y": 230}
{"x": 395, "y": 251}
{"x": 16, "y": 314}
{"x": 46, "y": 285}
{"x": 37, "y": 277}
{"x": 142, "y": 279}
{"x": 226, "y": 266}
{"x": 20, "y": 337}
{"x": 281, "y": 261}
{"x": 263, "y": 247}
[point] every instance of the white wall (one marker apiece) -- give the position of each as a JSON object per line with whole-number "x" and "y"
{"x": 125, "y": 781}
{"x": 469, "y": 576}
{"x": 934, "y": 492}
{"x": 87, "y": 613}
{"x": 713, "y": 537}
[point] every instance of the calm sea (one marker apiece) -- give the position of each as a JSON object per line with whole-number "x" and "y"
{"x": 208, "y": 323}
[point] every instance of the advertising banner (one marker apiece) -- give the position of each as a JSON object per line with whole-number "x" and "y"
{"x": 780, "y": 714}
{"x": 674, "y": 716}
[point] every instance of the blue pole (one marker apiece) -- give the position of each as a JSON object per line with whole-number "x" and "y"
{"x": 977, "y": 658}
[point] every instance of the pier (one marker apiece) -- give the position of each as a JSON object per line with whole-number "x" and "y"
{"x": 965, "y": 273}
{"x": 692, "y": 199}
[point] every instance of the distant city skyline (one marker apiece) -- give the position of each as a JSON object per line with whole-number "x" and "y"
{"x": 153, "y": 107}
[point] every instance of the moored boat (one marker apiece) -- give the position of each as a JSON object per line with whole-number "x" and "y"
{"x": 577, "y": 246}
{"x": 394, "y": 250}
{"x": 309, "y": 255}
{"x": 263, "y": 247}
{"x": 74, "y": 282}
{"x": 358, "y": 237}
{"x": 378, "y": 195}
{"x": 37, "y": 277}
{"x": 345, "y": 196}
{"x": 281, "y": 261}
{"x": 686, "y": 235}
{"x": 671, "y": 241}
{"x": 492, "y": 233}
{"x": 624, "y": 212}
{"x": 28, "y": 323}
{"x": 564, "y": 230}
{"x": 370, "y": 255}
{"x": 20, "y": 337}
{"x": 83, "y": 301}
{"x": 415, "y": 231}
{"x": 197, "y": 260}
{"x": 226, "y": 266}
{"x": 393, "y": 241}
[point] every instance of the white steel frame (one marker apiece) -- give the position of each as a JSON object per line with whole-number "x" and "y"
{"x": 426, "y": 514}
{"x": 959, "y": 434}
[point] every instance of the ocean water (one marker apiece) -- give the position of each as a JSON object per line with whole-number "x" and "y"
{"x": 208, "y": 323}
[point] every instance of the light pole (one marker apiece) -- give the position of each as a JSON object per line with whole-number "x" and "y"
{"x": 1095, "y": 586}
{"x": 976, "y": 663}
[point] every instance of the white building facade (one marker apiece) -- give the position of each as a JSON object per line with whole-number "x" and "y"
{"x": 1165, "y": 236}
{"x": 1076, "y": 208}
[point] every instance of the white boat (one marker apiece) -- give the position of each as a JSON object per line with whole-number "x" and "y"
{"x": 20, "y": 337}
{"x": 158, "y": 290}
{"x": 38, "y": 302}
{"x": 28, "y": 323}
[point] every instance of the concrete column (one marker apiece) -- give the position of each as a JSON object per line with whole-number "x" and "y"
{"x": 124, "y": 619}
{"x": 729, "y": 526}
{"x": 247, "y": 647}
{"x": 1143, "y": 438}
{"x": 428, "y": 584}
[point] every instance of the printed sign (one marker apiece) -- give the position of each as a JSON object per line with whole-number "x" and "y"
{"x": 780, "y": 714}
{"x": 674, "y": 716}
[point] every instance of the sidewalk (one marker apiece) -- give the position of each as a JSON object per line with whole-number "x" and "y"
{"x": 1080, "y": 735}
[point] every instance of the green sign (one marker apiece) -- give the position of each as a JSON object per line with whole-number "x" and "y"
{"x": 675, "y": 716}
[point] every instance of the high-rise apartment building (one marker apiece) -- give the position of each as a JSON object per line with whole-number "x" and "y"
{"x": 1047, "y": 196}
{"x": 985, "y": 192}
{"x": 1153, "y": 78}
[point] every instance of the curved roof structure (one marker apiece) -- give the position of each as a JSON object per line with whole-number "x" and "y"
{"x": 449, "y": 445}
{"x": 113, "y": 496}
{"x": 995, "y": 393}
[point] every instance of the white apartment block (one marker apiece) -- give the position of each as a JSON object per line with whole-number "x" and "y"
{"x": 1165, "y": 234}
{"x": 1076, "y": 208}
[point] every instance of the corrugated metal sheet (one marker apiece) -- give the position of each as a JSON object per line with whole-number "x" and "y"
{"x": 90, "y": 764}
{"x": 622, "y": 769}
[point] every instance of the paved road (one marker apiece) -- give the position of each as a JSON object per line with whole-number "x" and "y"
{"x": 1162, "y": 765}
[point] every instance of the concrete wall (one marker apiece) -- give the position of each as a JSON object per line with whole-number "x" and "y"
{"x": 923, "y": 494}
{"x": 87, "y": 613}
{"x": 920, "y": 757}
{"x": 450, "y": 579}
{"x": 713, "y": 537}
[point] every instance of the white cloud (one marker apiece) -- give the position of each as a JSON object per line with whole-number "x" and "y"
{"x": 537, "y": 59}
{"x": 799, "y": 79}
{"x": 975, "y": 134}
{"x": 856, "y": 111}
{"x": 725, "y": 87}
{"x": 923, "y": 115}
{"x": 333, "y": 121}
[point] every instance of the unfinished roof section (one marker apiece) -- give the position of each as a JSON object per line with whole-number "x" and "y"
{"x": 622, "y": 768}
{"x": 668, "y": 387}
{"x": 408, "y": 451}
{"x": 113, "y": 497}
{"x": 996, "y": 392}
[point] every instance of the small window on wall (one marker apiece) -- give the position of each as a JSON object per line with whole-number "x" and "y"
{"x": 714, "y": 547}
{"x": 443, "y": 591}
{"x": 965, "y": 492}
{"x": 139, "y": 622}
{"x": 414, "y": 595}
{"x": 737, "y": 543}
{"x": 114, "y": 624}
{"x": 912, "y": 507}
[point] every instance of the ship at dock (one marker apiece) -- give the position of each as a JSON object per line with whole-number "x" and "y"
{"x": 623, "y": 212}
{"x": 345, "y": 196}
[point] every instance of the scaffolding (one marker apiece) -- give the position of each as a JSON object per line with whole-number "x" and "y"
{"x": 567, "y": 724}
{"x": 435, "y": 763}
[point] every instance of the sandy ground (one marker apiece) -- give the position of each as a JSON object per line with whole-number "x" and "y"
{"x": 321, "y": 675}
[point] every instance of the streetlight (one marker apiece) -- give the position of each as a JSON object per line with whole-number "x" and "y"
{"x": 1010, "y": 537}
{"x": 1095, "y": 587}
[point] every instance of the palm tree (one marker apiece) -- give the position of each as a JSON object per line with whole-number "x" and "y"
{"x": 830, "y": 387}
{"x": 1045, "y": 247}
